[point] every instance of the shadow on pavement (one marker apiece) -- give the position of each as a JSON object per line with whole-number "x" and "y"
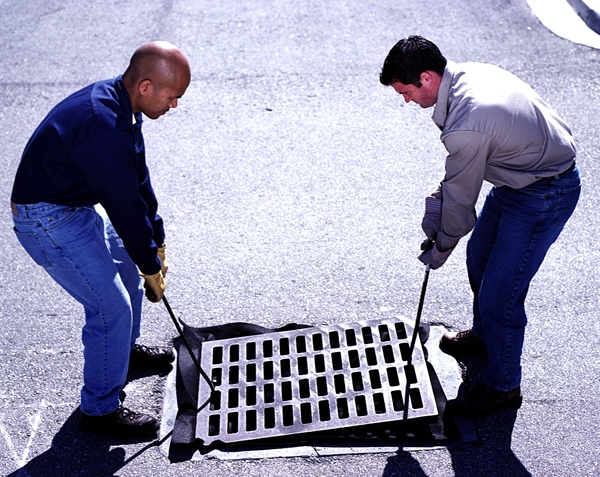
{"x": 74, "y": 452}
{"x": 490, "y": 456}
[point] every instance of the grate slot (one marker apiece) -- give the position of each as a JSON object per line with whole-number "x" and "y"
{"x": 285, "y": 368}
{"x": 392, "y": 375}
{"x": 268, "y": 371}
{"x": 379, "y": 403}
{"x": 342, "y": 408}
{"x": 267, "y": 349}
{"x": 217, "y": 357}
{"x": 232, "y": 423}
{"x": 324, "y": 411}
{"x": 304, "y": 386}
{"x": 269, "y": 418}
{"x": 367, "y": 335}
{"x": 250, "y": 396}
{"x": 340, "y": 383}
{"x": 375, "y": 379}
{"x": 251, "y": 422}
{"x": 400, "y": 330}
{"x": 354, "y": 358}
{"x": 234, "y": 374}
{"x": 320, "y": 363}
{"x": 350, "y": 337}
{"x": 371, "y": 356}
{"x": 306, "y": 413}
{"x": 286, "y": 391}
{"x": 217, "y": 375}
{"x": 357, "y": 381}
{"x": 215, "y": 401}
{"x": 336, "y": 361}
{"x": 284, "y": 346}
{"x": 334, "y": 339}
{"x": 250, "y": 351}
{"x": 384, "y": 333}
{"x": 319, "y": 378}
{"x": 250, "y": 372}
{"x": 317, "y": 342}
{"x": 269, "y": 393}
{"x": 300, "y": 344}
{"x": 234, "y": 353}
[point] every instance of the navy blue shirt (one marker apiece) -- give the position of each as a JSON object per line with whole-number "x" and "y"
{"x": 88, "y": 150}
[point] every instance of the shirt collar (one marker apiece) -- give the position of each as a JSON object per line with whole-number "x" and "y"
{"x": 137, "y": 119}
{"x": 441, "y": 106}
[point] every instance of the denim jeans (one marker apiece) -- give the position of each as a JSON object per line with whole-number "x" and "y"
{"x": 515, "y": 229}
{"x": 81, "y": 251}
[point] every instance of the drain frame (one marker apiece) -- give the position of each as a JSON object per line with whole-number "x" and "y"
{"x": 314, "y": 379}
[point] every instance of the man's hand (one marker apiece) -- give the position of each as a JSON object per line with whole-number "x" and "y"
{"x": 434, "y": 258}
{"x": 162, "y": 254}
{"x": 155, "y": 286}
{"x": 432, "y": 221}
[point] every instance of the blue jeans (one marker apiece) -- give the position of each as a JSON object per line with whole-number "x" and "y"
{"x": 81, "y": 251}
{"x": 515, "y": 229}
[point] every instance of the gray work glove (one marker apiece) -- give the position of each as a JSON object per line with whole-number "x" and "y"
{"x": 162, "y": 254}
{"x": 434, "y": 258}
{"x": 432, "y": 221}
{"x": 155, "y": 286}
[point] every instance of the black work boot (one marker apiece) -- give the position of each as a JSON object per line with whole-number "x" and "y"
{"x": 462, "y": 343}
{"x": 150, "y": 356}
{"x": 120, "y": 423}
{"x": 485, "y": 400}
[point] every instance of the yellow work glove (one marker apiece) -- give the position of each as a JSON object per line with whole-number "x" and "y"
{"x": 155, "y": 286}
{"x": 162, "y": 254}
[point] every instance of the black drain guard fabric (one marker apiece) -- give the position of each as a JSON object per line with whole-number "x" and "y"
{"x": 183, "y": 440}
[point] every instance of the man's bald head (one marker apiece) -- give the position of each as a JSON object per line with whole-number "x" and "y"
{"x": 159, "y": 61}
{"x": 153, "y": 67}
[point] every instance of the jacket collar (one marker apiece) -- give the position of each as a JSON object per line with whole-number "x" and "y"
{"x": 441, "y": 106}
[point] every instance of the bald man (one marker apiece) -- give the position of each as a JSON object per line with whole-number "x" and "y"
{"x": 84, "y": 209}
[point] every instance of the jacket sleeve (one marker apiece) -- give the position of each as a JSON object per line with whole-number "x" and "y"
{"x": 468, "y": 152}
{"x": 147, "y": 194}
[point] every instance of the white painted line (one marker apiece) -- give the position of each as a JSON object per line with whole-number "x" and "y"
{"x": 35, "y": 424}
{"x": 592, "y": 4}
{"x": 560, "y": 18}
{"x": 9, "y": 442}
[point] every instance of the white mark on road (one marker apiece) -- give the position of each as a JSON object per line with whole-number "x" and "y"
{"x": 35, "y": 424}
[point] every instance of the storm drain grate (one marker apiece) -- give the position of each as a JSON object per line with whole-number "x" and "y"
{"x": 313, "y": 379}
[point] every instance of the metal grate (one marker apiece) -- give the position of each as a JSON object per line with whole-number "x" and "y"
{"x": 313, "y": 379}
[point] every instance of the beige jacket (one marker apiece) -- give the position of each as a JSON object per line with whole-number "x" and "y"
{"x": 495, "y": 128}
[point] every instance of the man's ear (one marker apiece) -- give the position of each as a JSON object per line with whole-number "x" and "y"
{"x": 144, "y": 86}
{"x": 426, "y": 77}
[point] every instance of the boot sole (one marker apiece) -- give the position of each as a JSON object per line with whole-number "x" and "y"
{"x": 512, "y": 403}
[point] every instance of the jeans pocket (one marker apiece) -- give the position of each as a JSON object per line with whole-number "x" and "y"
{"x": 33, "y": 245}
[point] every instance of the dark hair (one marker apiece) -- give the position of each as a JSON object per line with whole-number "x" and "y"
{"x": 409, "y": 58}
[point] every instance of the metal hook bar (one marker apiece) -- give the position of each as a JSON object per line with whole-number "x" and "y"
{"x": 186, "y": 343}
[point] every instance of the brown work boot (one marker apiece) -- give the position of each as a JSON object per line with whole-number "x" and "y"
{"x": 150, "y": 357}
{"x": 485, "y": 400}
{"x": 456, "y": 343}
{"x": 120, "y": 423}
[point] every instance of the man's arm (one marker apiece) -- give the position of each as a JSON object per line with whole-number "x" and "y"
{"x": 468, "y": 153}
{"x": 111, "y": 166}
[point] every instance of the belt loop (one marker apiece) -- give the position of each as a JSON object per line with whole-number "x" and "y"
{"x": 14, "y": 209}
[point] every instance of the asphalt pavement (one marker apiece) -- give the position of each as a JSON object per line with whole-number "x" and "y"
{"x": 292, "y": 184}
